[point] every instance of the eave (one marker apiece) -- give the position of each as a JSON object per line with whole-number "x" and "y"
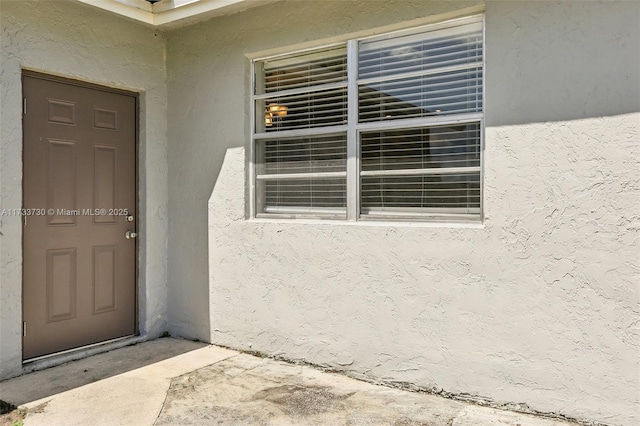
{"x": 173, "y": 13}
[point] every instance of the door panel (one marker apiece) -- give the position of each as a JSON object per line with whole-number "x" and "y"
{"x": 62, "y": 184}
{"x": 61, "y": 284}
{"x": 79, "y": 271}
{"x": 105, "y": 181}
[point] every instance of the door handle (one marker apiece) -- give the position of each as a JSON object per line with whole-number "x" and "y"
{"x": 130, "y": 235}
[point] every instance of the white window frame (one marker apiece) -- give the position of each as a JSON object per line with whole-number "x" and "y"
{"x": 353, "y": 129}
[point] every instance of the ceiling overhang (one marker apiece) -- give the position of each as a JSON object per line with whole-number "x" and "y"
{"x": 173, "y": 12}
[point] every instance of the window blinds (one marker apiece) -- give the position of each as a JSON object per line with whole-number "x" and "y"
{"x": 416, "y": 132}
{"x": 432, "y": 170}
{"x": 423, "y": 170}
{"x": 302, "y": 175}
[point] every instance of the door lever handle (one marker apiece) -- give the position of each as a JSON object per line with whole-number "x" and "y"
{"x": 130, "y": 235}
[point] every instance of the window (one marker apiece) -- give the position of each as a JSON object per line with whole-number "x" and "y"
{"x": 387, "y": 127}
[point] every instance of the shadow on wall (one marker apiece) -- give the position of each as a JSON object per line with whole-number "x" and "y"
{"x": 545, "y": 62}
{"x": 566, "y": 61}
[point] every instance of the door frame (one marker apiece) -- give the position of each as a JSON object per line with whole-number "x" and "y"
{"x": 95, "y": 86}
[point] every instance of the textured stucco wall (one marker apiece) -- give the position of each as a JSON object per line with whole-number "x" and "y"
{"x": 207, "y": 75}
{"x": 79, "y": 41}
{"x": 538, "y": 305}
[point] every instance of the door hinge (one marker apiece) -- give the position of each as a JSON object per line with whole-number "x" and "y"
{"x": 24, "y": 329}
{"x": 24, "y": 106}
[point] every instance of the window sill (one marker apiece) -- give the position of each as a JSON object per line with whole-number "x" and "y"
{"x": 370, "y": 223}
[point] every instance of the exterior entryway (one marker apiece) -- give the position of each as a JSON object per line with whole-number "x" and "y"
{"x": 79, "y": 247}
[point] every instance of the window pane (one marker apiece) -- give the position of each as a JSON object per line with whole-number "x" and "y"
{"x": 302, "y": 111}
{"x": 303, "y": 70}
{"x": 446, "y": 93}
{"x": 425, "y": 170}
{"x": 320, "y": 154}
{"x": 453, "y": 193}
{"x": 302, "y": 176}
{"x": 281, "y": 195}
{"x": 422, "y": 148}
{"x": 419, "y": 52}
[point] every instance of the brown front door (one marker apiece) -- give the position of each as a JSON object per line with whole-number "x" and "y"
{"x": 79, "y": 270}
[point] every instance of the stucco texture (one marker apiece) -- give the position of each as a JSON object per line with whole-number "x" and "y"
{"x": 79, "y": 41}
{"x": 538, "y": 305}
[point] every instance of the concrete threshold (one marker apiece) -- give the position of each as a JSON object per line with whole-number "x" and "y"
{"x": 48, "y": 361}
{"x": 178, "y": 382}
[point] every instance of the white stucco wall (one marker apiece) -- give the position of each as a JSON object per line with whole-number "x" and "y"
{"x": 538, "y": 305}
{"x": 79, "y": 41}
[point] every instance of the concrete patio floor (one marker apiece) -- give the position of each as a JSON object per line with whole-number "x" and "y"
{"x": 177, "y": 382}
